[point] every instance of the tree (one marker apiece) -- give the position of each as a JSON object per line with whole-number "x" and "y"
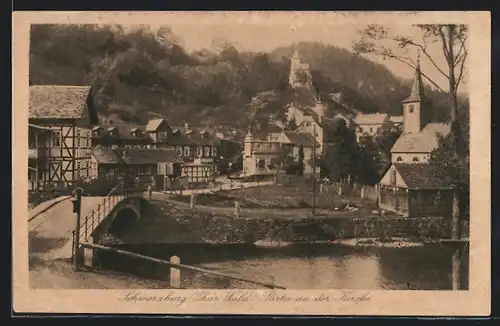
{"x": 379, "y": 40}
{"x": 452, "y": 40}
{"x": 370, "y": 162}
{"x": 300, "y": 167}
{"x": 340, "y": 158}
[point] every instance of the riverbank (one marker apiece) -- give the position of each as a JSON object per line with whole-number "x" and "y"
{"x": 168, "y": 222}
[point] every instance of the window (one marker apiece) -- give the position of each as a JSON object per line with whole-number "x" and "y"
{"x": 437, "y": 198}
{"x": 410, "y": 108}
{"x": 199, "y": 151}
{"x": 371, "y": 129}
{"x": 415, "y": 159}
{"x": 207, "y": 151}
{"x": 360, "y": 129}
{"x": 261, "y": 164}
{"x": 186, "y": 151}
{"x": 399, "y": 159}
{"x": 179, "y": 151}
{"x": 214, "y": 151}
{"x": 56, "y": 139}
{"x": 393, "y": 177}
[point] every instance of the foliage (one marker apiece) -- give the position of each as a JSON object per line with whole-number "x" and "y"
{"x": 300, "y": 161}
{"x": 370, "y": 161}
{"x": 340, "y": 159}
{"x": 453, "y": 161}
{"x": 139, "y": 71}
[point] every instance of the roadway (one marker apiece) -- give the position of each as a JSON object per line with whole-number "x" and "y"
{"x": 50, "y": 233}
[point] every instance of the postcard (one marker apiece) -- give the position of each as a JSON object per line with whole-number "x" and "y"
{"x": 278, "y": 163}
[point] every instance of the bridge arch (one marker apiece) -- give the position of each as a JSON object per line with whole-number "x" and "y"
{"x": 123, "y": 215}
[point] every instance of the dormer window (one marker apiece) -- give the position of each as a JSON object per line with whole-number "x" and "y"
{"x": 135, "y": 132}
{"x": 415, "y": 159}
{"x": 112, "y": 131}
{"x": 189, "y": 132}
{"x": 175, "y": 132}
{"x": 96, "y": 130}
{"x": 204, "y": 134}
{"x": 399, "y": 159}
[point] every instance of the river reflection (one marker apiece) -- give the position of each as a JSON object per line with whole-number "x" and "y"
{"x": 304, "y": 266}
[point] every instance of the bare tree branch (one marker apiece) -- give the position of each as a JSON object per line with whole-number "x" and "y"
{"x": 424, "y": 51}
{"x": 414, "y": 67}
{"x": 443, "y": 41}
{"x": 462, "y": 48}
{"x": 460, "y": 75}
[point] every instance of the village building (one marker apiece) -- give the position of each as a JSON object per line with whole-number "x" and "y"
{"x": 412, "y": 186}
{"x": 59, "y": 135}
{"x": 369, "y": 124}
{"x": 263, "y": 157}
{"x": 123, "y": 135}
{"x": 136, "y": 162}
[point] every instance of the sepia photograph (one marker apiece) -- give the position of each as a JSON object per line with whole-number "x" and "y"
{"x": 241, "y": 155}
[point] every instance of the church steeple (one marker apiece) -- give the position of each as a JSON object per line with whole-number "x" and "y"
{"x": 416, "y": 112}
{"x": 417, "y": 89}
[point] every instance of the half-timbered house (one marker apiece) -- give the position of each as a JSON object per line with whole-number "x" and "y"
{"x": 59, "y": 135}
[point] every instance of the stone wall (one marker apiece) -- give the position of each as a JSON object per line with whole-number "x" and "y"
{"x": 168, "y": 225}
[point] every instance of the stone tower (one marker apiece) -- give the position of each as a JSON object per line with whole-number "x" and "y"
{"x": 300, "y": 72}
{"x": 416, "y": 108}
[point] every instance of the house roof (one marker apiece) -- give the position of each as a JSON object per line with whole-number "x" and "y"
{"x": 154, "y": 124}
{"x": 148, "y": 155}
{"x": 424, "y": 141}
{"x": 106, "y": 155}
{"x": 396, "y": 119}
{"x": 194, "y": 136}
{"x": 57, "y": 101}
{"x": 300, "y": 138}
{"x": 370, "y": 118}
{"x": 121, "y": 131}
{"x": 423, "y": 176}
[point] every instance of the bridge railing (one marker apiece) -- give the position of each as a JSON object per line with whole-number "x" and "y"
{"x": 90, "y": 222}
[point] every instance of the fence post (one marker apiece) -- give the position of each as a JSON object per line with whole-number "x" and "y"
{"x": 86, "y": 226}
{"x": 362, "y": 194}
{"x": 175, "y": 273}
{"x": 193, "y": 199}
{"x": 236, "y": 209}
{"x": 98, "y": 213}
{"x": 93, "y": 220}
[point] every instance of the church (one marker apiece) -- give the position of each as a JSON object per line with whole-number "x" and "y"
{"x": 410, "y": 186}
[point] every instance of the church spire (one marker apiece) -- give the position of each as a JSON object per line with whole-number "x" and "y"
{"x": 417, "y": 89}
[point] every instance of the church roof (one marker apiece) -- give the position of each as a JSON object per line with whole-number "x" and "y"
{"x": 423, "y": 176}
{"x": 424, "y": 141}
{"x": 417, "y": 89}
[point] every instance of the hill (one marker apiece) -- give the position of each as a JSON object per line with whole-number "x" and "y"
{"x": 138, "y": 73}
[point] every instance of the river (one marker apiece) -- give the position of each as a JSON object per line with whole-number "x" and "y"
{"x": 301, "y": 266}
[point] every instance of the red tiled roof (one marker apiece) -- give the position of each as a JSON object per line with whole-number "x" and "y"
{"x": 57, "y": 101}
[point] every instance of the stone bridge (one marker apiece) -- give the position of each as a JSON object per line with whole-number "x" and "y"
{"x": 52, "y": 232}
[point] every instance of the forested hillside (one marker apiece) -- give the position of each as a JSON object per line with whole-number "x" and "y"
{"x": 136, "y": 73}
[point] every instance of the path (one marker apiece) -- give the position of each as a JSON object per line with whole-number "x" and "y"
{"x": 50, "y": 233}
